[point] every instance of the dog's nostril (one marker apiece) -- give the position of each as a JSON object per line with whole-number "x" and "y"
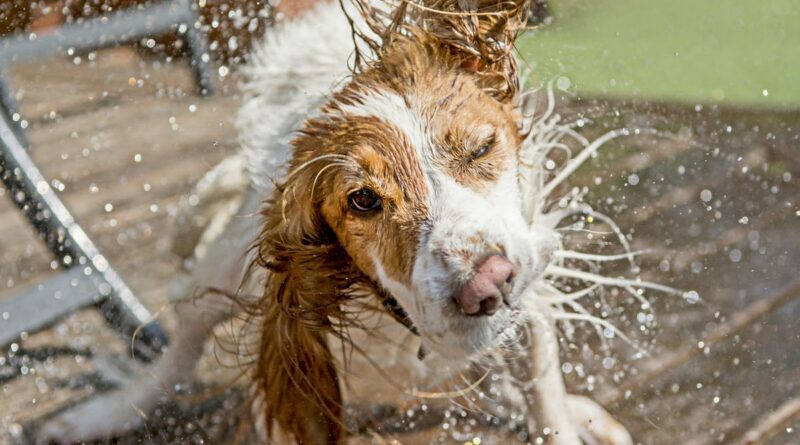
{"x": 488, "y": 288}
{"x": 489, "y": 306}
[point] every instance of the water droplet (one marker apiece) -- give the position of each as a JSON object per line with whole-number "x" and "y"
{"x": 691, "y": 297}
{"x": 42, "y": 187}
{"x": 105, "y": 289}
{"x": 706, "y": 195}
{"x": 15, "y": 430}
{"x": 100, "y": 263}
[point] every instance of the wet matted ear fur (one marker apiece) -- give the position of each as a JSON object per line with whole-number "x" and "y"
{"x": 308, "y": 279}
{"x": 480, "y": 33}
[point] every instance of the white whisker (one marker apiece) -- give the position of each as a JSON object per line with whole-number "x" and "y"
{"x": 304, "y": 165}
{"x": 322, "y": 170}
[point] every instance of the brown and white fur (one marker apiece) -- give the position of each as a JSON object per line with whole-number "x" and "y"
{"x": 429, "y": 127}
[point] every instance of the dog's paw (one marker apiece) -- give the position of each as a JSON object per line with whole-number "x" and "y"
{"x": 595, "y": 425}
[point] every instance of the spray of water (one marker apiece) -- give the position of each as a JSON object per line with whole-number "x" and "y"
{"x": 546, "y": 134}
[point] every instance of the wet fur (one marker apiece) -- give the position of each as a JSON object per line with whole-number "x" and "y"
{"x": 311, "y": 275}
{"x": 320, "y": 290}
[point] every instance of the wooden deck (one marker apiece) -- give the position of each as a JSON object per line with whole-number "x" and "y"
{"x": 126, "y": 138}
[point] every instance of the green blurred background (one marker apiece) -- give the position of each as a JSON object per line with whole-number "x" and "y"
{"x": 737, "y": 52}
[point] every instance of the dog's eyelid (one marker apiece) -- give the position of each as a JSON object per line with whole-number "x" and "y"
{"x": 485, "y": 147}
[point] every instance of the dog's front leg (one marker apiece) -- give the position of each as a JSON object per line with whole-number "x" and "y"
{"x": 537, "y": 371}
{"x": 555, "y": 416}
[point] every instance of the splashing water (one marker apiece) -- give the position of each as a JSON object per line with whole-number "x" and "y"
{"x": 544, "y": 212}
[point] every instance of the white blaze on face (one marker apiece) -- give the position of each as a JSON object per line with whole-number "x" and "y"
{"x": 391, "y": 108}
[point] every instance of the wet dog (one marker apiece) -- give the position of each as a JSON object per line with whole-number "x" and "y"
{"x": 394, "y": 254}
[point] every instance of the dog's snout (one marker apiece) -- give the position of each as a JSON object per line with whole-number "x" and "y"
{"x": 484, "y": 293}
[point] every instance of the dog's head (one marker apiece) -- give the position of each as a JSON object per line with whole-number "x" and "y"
{"x": 407, "y": 183}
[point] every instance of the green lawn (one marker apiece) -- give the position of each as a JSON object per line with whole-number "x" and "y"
{"x": 742, "y": 52}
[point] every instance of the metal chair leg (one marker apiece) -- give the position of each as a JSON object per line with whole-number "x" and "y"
{"x": 68, "y": 242}
{"x": 197, "y": 50}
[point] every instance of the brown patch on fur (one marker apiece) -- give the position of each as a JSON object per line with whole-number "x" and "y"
{"x": 317, "y": 250}
{"x": 477, "y": 136}
{"x": 454, "y": 102}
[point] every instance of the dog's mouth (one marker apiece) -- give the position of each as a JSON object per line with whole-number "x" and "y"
{"x": 469, "y": 336}
{"x": 514, "y": 319}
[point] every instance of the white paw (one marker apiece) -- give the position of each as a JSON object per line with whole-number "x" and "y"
{"x": 595, "y": 425}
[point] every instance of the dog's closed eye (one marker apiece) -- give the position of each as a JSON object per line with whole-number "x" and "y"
{"x": 483, "y": 149}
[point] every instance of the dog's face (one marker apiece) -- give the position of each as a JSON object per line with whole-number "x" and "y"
{"x": 417, "y": 179}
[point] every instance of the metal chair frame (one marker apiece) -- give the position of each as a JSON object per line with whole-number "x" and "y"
{"x": 88, "y": 278}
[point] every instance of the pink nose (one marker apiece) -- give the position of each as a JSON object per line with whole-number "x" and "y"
{"x": 483, "y": 294}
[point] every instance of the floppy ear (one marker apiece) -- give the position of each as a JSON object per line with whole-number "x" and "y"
{"x": 480, "y": 34}
{"x": 308, "y": 273}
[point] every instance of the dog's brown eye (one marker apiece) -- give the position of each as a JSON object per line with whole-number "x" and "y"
{"x": 365, "y": 200}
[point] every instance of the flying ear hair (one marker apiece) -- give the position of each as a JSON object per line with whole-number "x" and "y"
{"x": 481, "y": 33}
